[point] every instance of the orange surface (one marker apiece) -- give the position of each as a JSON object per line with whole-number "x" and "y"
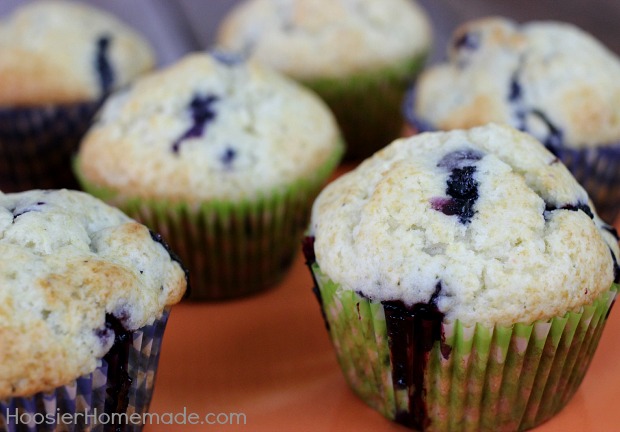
{"x": 269, "y": 357}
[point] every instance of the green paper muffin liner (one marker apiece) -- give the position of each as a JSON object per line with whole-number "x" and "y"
{"x": 368, "y": 106}
{"x": 37, "y": 144}
{"x": 89, "y": 402}
{"x": 477, "y": 378}
{"x": 231, "y": 249}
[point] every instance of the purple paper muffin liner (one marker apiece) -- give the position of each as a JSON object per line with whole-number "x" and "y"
{"x": 112, "y": 398}
{"x": 37, "y": 144}
{"x": 596, "y": 168}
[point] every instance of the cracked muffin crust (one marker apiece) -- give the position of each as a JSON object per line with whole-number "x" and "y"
{"x": 485, "y": 224}
{"x": 69, "y": 262}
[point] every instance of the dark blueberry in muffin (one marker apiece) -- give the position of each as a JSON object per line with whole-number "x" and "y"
{"x": 515, "y": 93}
{"x": 103, "y": 65}
{"x": 445, "y": 205}
{"x": 616, "y": 267}
{"x": 106, "y": 334}
{"x": 17, "y": 212}
{"x": 462, "y": 187}
{"x": 436, "y": 294}
{"x": 201, "y": 108}
{"x": 227, "y": 58}
{"x": 583, "y": 207}
{"x": 228, "y": 156}
{"x": 465, "y": 45}
{"x": 468, "y": 41}
{"x": 461, "y": 184}
{"x": 464, "y": 209}
{"x": 571, "y": 207}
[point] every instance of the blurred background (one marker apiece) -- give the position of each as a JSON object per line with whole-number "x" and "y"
{"x": 179, "y": 26}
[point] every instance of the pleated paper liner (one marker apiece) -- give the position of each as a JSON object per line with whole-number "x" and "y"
{"x": 90, "y": 401}
{"x": 37, "y": 145}
{"x": 501, "y": 378}
{"x": 232, "y": 249}
{"x": 596, "y": 168}
{"x": 368, "y": 106}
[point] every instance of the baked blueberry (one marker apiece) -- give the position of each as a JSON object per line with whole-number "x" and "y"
{"x": 469, "y": 41}
{"x": 462, "y": 187}
{"x": 17, "y": 212}
{"x": 228, "y": 157}
{"x": 103, "y": 64}
{"x": 516, "y": 92}
{"x": 201, "y": 108}
{"x": 227, "y": 58}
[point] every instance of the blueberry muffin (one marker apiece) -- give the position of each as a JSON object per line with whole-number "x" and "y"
{"x": 58, "y": 60}
{"x": 223, "y": 157}
{"x": 85, "y": 297}
{"x": 549, "y": 79}
{"x": 465, "y": 279}
{"x": 357, "y": 55}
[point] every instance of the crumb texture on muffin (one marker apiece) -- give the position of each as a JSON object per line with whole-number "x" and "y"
{"x": 486, "y": 224}
{"x": 58, "y": 51}
{"x": 550, "y": 79}
{"x": 327, "y": 38}
{"x": 68, "y": 260}
{"x": 208, "y": 127}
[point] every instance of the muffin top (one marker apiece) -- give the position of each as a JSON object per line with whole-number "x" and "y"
{"x": 209, "y": 127}
{"x": 484, "y": 224}
{"x": 309, "y": 39}
{"x": 68, "y": 260}
{"x": 54, "y": 51}
{"x": 547, "y": 78}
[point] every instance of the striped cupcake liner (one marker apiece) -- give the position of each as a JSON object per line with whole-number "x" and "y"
{"x": 475, "y": 378}
{"x": 91, "y": 403}
{"x": 596, "y": 168}
{"x": 36, "y": 145}
{"x": 231, "y": 249}
{"x": 367, "y": 107}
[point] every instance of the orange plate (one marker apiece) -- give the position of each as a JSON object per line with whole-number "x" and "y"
{"x": 269, "y": 358}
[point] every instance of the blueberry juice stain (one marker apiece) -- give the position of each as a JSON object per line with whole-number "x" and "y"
{"x": 119, "y": 381}
{"x": 308, "y": 251}
{"x": 413, "y": 332}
